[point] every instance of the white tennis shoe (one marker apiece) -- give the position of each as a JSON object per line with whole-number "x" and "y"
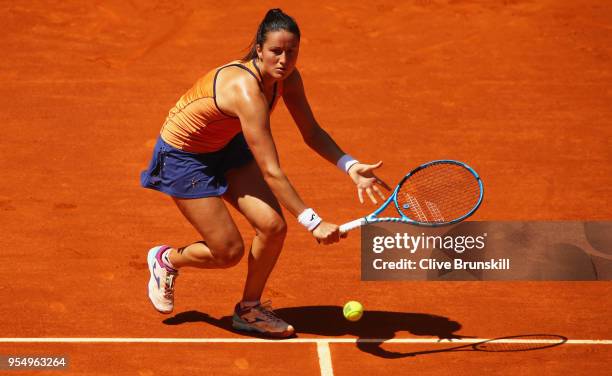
{"x": 161, "y": 282}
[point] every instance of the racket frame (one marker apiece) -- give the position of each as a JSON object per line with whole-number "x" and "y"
{"x": 373, "y": 218}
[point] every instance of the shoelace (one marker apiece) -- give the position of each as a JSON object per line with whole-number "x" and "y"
{"x": 266, "y": 309}
{"x": 169, "y": 285}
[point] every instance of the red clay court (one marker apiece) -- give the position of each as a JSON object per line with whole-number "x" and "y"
{"x": 521, "y": 90}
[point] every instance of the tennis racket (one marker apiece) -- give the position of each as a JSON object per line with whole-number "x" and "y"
{"x": 436, "y": 193}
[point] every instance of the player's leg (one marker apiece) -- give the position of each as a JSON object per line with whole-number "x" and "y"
{"x": 250, "y": 194}
{"x": 222, "y": 246}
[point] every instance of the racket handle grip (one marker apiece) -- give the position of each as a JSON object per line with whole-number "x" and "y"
{"x": 352, "y": 225}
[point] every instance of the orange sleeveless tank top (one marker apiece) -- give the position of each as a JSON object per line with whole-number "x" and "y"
{"x": 196, "y": 124}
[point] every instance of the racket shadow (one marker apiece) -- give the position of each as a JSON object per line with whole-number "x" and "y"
{"x": 516, "y": 343}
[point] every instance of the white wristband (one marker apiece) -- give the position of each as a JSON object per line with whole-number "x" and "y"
{"x": 309, "y": 219}
{"x": 345, "y": 162}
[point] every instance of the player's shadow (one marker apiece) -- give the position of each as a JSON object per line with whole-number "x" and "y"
{"x": 328, "y": 321}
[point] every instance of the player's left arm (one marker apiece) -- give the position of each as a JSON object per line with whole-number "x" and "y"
{"x": 321, "y": 142}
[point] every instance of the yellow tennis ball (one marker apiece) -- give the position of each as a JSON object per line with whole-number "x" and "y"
{"x": 352, "y": 311}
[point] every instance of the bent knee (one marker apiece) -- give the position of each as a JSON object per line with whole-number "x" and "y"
{"x": 274, "y": 227}
{"x": 230, "y": 255}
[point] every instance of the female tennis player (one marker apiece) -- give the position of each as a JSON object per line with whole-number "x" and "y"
{"x": 216, "y": 145}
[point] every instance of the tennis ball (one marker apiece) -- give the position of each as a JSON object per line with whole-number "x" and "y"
{"x": 352, "y": 310}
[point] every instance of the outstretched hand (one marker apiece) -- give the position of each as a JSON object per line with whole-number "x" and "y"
{"x": 363, "y": 176}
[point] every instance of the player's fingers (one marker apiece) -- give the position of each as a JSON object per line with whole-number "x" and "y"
{"x": 376, "y": 165}
{"x": 377, "y": 190}
{"x": 336, "y": 237}
{"x": 369, "y": 192}
{"x": 382, "y": 183}
{"x": 370, "y": 167}
{"x": 360, "y": 194}
{"x": 329, "y": 238}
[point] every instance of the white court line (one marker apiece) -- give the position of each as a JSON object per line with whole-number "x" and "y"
{"x": 295, "y": 340}
{"x": 325, "y": 362}
{"x": 323, "y": 350}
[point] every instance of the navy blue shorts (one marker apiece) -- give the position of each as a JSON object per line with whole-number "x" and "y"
{"x": 190, "y": 175}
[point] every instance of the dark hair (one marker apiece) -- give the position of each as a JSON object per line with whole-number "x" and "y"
{"x": 274, "y": 20}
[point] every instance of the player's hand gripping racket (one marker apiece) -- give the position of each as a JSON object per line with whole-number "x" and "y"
{"x": 436, "y": 193}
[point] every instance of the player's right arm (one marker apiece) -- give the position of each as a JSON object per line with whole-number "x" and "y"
{"x": 244, "y": 98}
